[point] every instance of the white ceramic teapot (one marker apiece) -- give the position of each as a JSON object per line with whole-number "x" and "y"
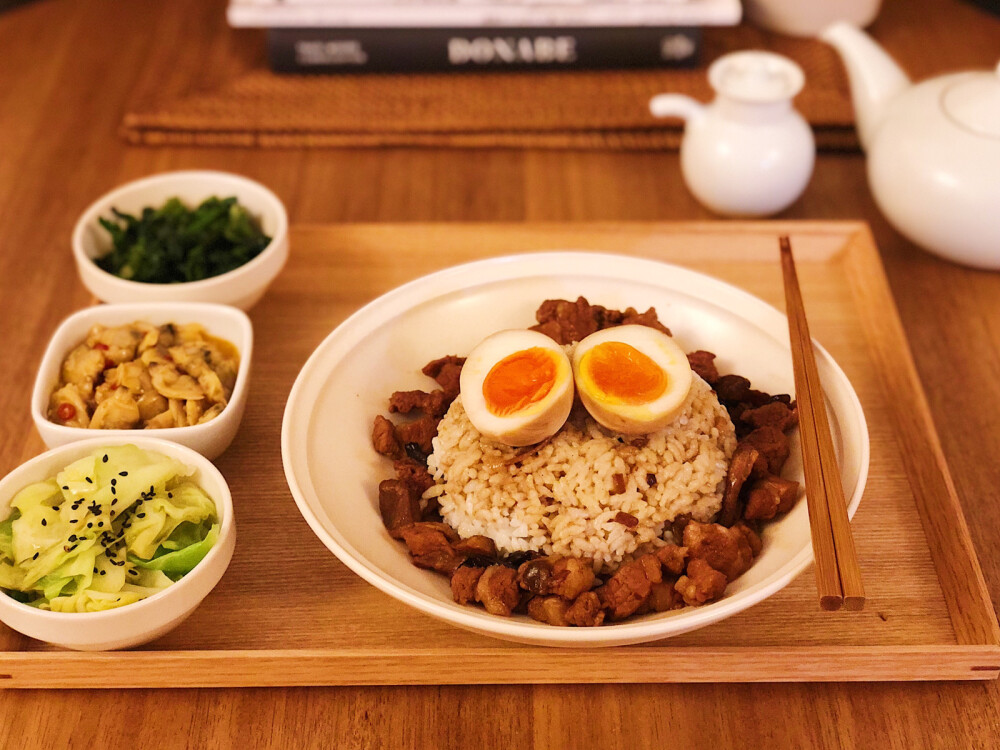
{"x": 748, "y": 153}
{"x": 933, "y": 150}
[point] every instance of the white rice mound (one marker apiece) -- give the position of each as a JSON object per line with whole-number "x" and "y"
{"x": 559, "y": 500}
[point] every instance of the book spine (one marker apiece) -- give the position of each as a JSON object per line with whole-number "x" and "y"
{"x": 479, "y": 49}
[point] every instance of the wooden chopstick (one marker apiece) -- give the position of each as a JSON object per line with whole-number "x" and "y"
{"x": 838, "y": 576}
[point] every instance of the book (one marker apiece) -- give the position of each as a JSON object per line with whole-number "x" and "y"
{"x": 463, "y": 14}
{"x": 479, "y": 49}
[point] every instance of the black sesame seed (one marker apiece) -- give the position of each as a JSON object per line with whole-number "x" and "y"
{"x": 140, "y": 515}
{"x": 89, "y": 480}
{"x": 90, "y": 525}
{"x": 72, "y": 537}
{"x": 113, "y": 481}
{"x": 170, "y": 494}
{"x": 100, "y": 524}
{"x": 104, "y": 572}
{"x": 95, "y": 570}
{"x": 105, "y": 459}
{"x": 114, "y": 502}
{"x": 34, "y": 556}
{"x": 112, "y": 514}
{"x": 133, "y": 571}
{"x": 44, "y": 522}
{"x": 65, "y": 486}
{"x": 56, "y": 508}
{"x": 74, "y": 520}
{"x": 123, "y": 473}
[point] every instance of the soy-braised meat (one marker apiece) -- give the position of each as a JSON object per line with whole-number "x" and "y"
{"x": 414, "y": 473}
{"x": 726, "y": 550}
{"x": 701, "y": 584}
{"x": 770, "y": 496}
{"x": 399, "y": 505}
{"x": 672, "y": 558}
{"x": 549, "y": 609}
{"x": 775, "y": 414}
{"x": 481, "y": 546}
{"x": 703, "y": 364}
{"x": 772, "y": 444}
{"x": 497, "y": 590}
{"x": 566, "y": 577}
{"x": 629, "y": 587}
{"x": 430, "y": 546}
{"x": 384, "y": 438}
{"x": 419, "y": 432}
{"x": 732, "y": 388}
{"x": 567, "y": 322}
{"x": 663, "y": 597}
{"x": 432, "y": 403}
{"x": 740, "y": 466}
{"x": 446, "y": 371}
{"x": 585, "y": 611}
{"x": 463, "y": 584}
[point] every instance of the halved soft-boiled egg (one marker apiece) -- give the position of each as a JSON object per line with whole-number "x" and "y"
{"x": 632, "y": 379}
{"x": 517, "y": 387}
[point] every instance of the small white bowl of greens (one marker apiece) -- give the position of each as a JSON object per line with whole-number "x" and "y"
{"x": 190, "y": 236}
{"x": 111, "y": 543}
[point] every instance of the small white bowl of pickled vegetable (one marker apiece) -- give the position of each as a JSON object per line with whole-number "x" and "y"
{"x": 102, "y": 554}
{"x": 241, "y": 286}
{"x": 209, "y": 438}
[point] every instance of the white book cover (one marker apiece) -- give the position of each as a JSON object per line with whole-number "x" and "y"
{"x": 480, "y": 13}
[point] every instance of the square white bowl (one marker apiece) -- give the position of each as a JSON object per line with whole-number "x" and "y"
{"x": 209, "y": 439}
{"x": 242, "y": 287}
{"x": 147, "y": 619}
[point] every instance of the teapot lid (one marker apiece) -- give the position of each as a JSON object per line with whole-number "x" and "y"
{"x": 974, "y": 103}
{"x": 756, "y": 76}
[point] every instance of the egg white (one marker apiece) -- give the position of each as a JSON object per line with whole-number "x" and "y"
{"x": 643, "y": 418}
{"x": 536, "y": 421}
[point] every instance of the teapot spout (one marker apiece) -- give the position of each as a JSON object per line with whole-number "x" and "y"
{"x": 875, "y": 77}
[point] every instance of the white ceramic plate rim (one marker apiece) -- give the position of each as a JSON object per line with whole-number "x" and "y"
{"x": 532, "y": 265}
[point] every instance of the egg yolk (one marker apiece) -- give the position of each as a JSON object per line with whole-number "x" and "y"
{"x": 623, "y": 374}
{"x": 519, "y": 380}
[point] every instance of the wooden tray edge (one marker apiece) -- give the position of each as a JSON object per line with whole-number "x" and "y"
{"x": 441, "y": 666}
{"x": 962, "y": 582}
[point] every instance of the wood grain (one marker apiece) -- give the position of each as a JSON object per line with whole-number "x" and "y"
{"x": 70, "y": 69}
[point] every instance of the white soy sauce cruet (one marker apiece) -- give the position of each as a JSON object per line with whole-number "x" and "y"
{"x": 748, "y": 152}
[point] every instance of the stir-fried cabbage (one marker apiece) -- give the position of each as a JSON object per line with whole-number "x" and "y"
{"x": 108, "y": 530}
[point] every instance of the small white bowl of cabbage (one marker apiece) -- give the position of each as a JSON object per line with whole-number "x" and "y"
{"x": 108, "y": 544}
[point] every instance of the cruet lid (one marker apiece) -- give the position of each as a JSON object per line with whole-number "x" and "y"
{"x": 756, "y": 76}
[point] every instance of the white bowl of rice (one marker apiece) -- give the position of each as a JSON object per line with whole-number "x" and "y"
{"x": 334, "y": 473}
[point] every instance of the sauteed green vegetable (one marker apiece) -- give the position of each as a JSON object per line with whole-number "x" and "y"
{"x": 174, "y": 244}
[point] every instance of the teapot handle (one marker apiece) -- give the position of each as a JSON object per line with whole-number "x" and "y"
{"x": 675, "y": 105}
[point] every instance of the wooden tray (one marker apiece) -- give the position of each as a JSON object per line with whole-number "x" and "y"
{"x": 288, "y": 613}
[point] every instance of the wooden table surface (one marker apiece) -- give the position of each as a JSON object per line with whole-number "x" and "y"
{"x": 68, "y": 70}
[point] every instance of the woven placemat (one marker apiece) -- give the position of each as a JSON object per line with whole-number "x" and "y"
{"x": 587, "y": 109}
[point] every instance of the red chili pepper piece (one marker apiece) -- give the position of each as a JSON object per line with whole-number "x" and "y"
{"x": 66, "y": 412}
{"x": 102, "y": 347}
